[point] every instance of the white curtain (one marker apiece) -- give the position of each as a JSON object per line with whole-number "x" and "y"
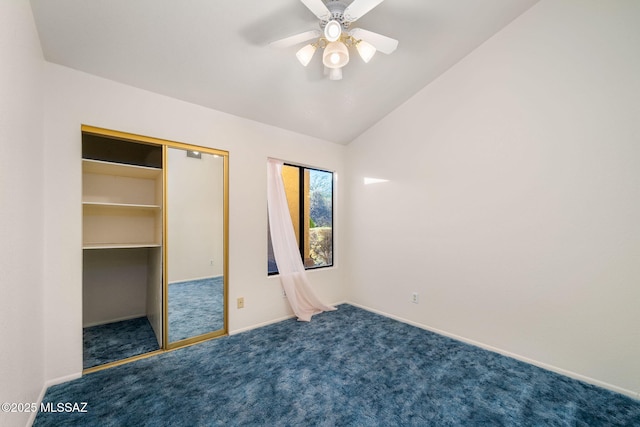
{"x": 293, "y": 276}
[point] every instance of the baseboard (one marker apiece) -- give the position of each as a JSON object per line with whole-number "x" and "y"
{"x": 119, "y": 319}
{"x": 61, "y": 380}
{"x": 260, "y": 325}
{"x": 45, "y": 387}
{"x": 557, "y": 370}
{"x": 336, "y": 304}
{"x": 175, "y": 282}
{"x": 271, "y": 322}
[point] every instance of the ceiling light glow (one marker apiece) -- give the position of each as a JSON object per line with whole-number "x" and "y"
{"x": 367, "y": 180}
{"x": 332, "y": 31}
{"x": 336, "y": 55}
{"x": 335, "y": 74}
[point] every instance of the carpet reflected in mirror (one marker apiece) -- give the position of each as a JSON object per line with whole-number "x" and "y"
{"x": 195, "y": 308}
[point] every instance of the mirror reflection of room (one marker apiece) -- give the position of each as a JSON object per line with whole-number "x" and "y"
{"x": 195, "y": 243}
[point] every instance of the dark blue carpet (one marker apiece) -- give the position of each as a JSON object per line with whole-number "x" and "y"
{"x": 116, "y": 341}
{"x": 195, "y": 308}
{"x": 344, "y": 368}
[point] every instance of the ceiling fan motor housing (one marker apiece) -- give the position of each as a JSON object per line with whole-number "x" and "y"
{"x": 336, "y": 7}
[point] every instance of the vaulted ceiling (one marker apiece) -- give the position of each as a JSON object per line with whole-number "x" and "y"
{"x": 215, "y": 53}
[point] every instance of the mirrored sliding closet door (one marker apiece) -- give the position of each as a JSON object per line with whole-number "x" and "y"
{"x": 195, "y": 248}
{"x": 154, "y": 245}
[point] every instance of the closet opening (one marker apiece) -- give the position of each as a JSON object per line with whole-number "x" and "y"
{"x": 122, "y": 186}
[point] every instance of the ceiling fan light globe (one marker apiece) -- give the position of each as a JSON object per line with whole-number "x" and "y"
{"x": 336, "y": 55}
{"x": 305, "y": 54}
{"x": 366, "y": 50}
{"x": 335, "y": 73}
{"x": 332, "y": 31}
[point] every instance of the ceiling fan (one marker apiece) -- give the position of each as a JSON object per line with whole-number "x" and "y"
{"x": 335, "y": 36}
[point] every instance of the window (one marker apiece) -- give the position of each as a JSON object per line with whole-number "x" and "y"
{"x": 310, "y": 198}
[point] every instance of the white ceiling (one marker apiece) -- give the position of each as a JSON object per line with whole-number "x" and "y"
{"x": 214, "y": 53}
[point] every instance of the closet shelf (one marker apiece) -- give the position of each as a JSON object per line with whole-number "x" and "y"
{"x": 119, "y": 245}
{"x": 119, "y": 169}
{"x": 101, "y": 205}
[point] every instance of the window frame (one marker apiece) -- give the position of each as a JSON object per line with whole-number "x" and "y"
{"x": 302, "y": 201}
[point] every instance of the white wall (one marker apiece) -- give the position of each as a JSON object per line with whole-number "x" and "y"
{"x": 21, "y": 216}
{"x": 73, "y": 98}
{"x": 115, "y": 285}
{"x": 513, "y": 203}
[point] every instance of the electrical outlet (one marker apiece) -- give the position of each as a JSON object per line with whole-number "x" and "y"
{"x": 211, "y": 262}
{"x": 284, "y": 294}
{"x": 414, "y": 297}
{"x": 241, "y": 302}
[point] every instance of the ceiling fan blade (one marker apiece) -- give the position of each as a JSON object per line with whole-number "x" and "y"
{"x": 382, "y": 43}
{"x": 359, "y": 8}
{"x": 318, "y": 8}
{"x": 296, "y": 39}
